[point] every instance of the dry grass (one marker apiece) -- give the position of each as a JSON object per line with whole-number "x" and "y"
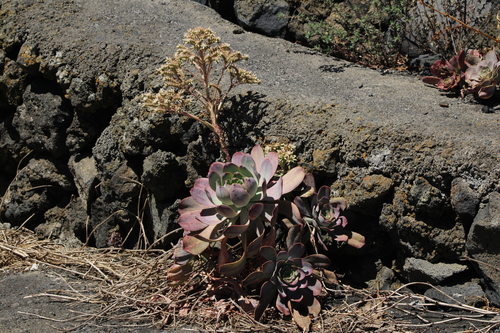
{"x": 132, "y": 290}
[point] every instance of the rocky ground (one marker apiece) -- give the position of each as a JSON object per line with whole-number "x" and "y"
{"x": 418, "y": 167}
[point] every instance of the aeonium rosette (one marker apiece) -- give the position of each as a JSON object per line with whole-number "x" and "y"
{"x": 289, "y": 278}
{"x": 321, "y": 215}
{"x": 237, "y": 199}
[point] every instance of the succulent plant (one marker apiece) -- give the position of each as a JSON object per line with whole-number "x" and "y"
{"x": 321, "y": 215}
{"x": 237, "y": 199}
{"x": 447, "y": 74}
{"x": 288, "y": 278}
{"x": 482, "y": 76}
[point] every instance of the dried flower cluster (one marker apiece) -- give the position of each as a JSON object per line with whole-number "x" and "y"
{"x": 202, "y": 70}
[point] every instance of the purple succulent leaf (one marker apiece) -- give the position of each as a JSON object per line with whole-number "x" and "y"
{"x": 255, "y": 245}
{"x": 190, "y": 205}
{"x": 189, "y": 221}
{"x": 294, "y": 295}
{"x": 296, "y": 250}
{"x": 266, "y": 171}
{"x": 226, "y": 211}
{"x": 273, "y": 159}
{"x": 341, "y": 238}
{"x": 275, "y": 191}
{"x": 268, "y": 268}
{"x": 255, "y": 210}
{"x": 292, "y": 179}
{"x": 214, "y": 179}
{"x": 258, "y": 156}
{"x": 303, "y": 206}
{"x": 230, "y": 168}
{"x": 304, "y": 265}
{"x": 255, "y": 277}
{"x": 249, "y": 164}
{"x": 236, "y": 158}
{"x": 314, "y": 308}
{"x": 233, "y": 268}
{"x": 316, "y": 287}
{"x": 268, "y": 252}
{"x": 235, "y": 230}
{"x": 223, "y": 195}
{"x": 239, "y": 196}
{"x": 216, "y": 167}
{"x": 294, "y": 235}
{"x": 324, "y": 192}
{"x": 267, "y": 295}
{"x": 318, "y": 260}
{"x": 202, "y": 193}
{"x": 251, "y": 186}
{"x": 282, "y": 307}
{"x": 209, "y": 216}
{"x": 207, "y": 233}
{"x": 194, "y": 245}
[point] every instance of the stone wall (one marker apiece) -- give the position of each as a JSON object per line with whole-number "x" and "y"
{"x": 81, "y": 159}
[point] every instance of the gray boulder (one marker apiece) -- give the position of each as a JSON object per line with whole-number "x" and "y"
{"x": 483, "y": 245}
{"x": 269, "y": 17}
{"x": 418, "y": 270}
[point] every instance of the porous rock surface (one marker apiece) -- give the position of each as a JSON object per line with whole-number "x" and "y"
{"x": 78, "y": 153}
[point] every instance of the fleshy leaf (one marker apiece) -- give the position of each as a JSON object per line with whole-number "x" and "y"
{"x": 223, "y": 195}
{"x": 267, "y": 294}
{"x": 255, "y": 210}
{"x": 233, "y": 268}
{"x": 226, "y": 211}
{"x": 235, "y": 230}
{"x": 275, "y": 191}
{"x": 194, "y": 245}
{"x": 258, "y": 156}
{"x": 318, "y": 260}
{"x": 292, "y": 179}
{"x": 239, "y": 196}
{"x": 296, "y": 250}
{"x": 268, "y": 252}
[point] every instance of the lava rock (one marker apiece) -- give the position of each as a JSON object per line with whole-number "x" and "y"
{"x": 484, "y": 247}
{"x": 418, "y": 270}
{"x": 264, "y": 16}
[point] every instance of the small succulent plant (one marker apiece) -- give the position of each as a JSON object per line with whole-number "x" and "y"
{"x": 321, "y": 215}
{"x": 482, "y": 76}
{"x": 471, "y": 72}
{"x": 447, "y": 74}
{"x": 289, "y": 279}
{"x": 237, "y": 199}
